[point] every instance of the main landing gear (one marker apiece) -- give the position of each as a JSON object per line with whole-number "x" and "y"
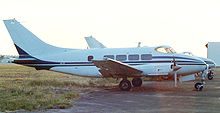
{"x": 125, "y": 85}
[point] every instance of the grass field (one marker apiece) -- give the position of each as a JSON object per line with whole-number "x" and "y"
{"x": 28, "y": 89}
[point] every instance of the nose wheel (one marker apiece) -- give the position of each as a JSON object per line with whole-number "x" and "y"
{"x": 199, "y": 86}
{"x": 210, "y": 75}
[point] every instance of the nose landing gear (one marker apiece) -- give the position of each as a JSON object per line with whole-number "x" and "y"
{"x": 210, "y": 75}
{"x": 199, "y": 86}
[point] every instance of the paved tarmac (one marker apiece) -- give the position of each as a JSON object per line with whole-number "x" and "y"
{"x": 152, "y": 97}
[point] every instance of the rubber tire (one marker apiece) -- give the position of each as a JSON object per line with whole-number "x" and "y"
{"x": 210, "y": 77}
{"x": 125, "y": 85}
{"x": 137, "y": 82}
{"x": 198, "y": 87}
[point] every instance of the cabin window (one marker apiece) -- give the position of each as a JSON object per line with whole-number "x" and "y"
{"x": 146, "y": 57}
{"x": 133, "y": 57}
{"x": 110, "y": 56}
{"x": 121, "y": 57}
{"x": 90, "y": 58}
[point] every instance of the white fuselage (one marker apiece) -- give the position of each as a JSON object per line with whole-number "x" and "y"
{"x": 76, "y": 61}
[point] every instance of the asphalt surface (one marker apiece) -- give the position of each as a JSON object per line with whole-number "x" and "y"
{"x": 151, "y": 97}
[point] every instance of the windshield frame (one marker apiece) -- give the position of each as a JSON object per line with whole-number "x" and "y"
{"x": 165, "y": 49}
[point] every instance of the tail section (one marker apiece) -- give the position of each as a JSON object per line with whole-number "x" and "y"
{"x": 26, "y": 43}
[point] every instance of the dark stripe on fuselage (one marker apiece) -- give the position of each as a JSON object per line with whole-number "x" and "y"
{"x": 37, "y": 61}
{"x": 128, "y": 62}
{"x": 52, "y": 65}
{"x": 176, "y": 57}
{"x": 40, "y": 64}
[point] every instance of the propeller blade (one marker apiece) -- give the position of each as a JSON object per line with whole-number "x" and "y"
{"x": 175, "y": 78}
{"x": 174, "y": 62}
{"x": 175, "y": 68}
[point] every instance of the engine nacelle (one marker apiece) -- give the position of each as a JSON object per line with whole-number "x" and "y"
{"x": 155, "y": 69}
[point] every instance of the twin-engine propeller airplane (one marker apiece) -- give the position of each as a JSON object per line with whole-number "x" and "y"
{"x": 106, "y": 62}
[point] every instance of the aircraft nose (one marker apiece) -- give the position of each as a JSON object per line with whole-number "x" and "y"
{"x": 214, "y": 64}
{"x": 200, "y": 65}
{"x": 204, "y": 65}
{"x": 211, "y": 63}
{"x": 192, "y": 65}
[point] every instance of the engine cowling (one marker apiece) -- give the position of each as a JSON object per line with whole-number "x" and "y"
{"x": 155, "y": 69}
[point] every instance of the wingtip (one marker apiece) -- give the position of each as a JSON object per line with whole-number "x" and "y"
{"x": 10, "y": 19}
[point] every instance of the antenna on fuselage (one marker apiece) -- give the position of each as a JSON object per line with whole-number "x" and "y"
{"x": 139, "y": 44}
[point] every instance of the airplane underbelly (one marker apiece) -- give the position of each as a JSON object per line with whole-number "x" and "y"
{"x": 90, "y": 71}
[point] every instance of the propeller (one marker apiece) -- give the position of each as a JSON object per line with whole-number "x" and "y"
{"x": 175, "y": 68}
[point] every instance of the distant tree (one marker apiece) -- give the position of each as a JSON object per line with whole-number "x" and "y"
{"x": 1, "y": 57}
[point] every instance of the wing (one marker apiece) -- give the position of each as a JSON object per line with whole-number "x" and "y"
{"x": 110, "y": 67}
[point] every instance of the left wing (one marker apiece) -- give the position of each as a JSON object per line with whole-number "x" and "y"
{"x": 110, "y": 67}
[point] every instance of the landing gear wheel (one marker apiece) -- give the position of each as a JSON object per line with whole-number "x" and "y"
{"x": 210, "y": 76}
{"x": 199, "y": 86}
{"x": 125, "y": 85}
{"x": 137, "y": 82}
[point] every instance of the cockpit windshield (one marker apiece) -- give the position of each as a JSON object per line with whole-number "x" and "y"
{"x": 188, "y": 53}
{"x": 165, "y": 49}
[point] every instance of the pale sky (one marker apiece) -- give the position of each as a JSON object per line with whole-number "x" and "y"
{"x": 185, "y": 25}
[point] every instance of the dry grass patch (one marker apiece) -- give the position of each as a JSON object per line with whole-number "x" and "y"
{"x": 25, "y": 88}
